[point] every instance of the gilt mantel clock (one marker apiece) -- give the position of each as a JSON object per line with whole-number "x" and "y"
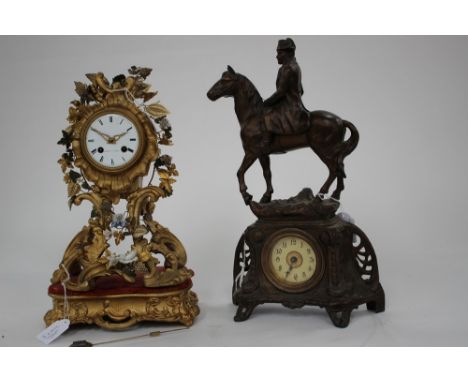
{"x": 122, "y": 267}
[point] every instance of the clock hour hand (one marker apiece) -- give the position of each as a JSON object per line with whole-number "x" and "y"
{"x": 106, "y": 137}
{"x": 288, "y": 271}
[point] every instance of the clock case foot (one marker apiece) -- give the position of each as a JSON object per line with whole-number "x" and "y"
{"x": 339, "y": 315}
{"x": 244, "y": 311}
{"x": 350, "y": 279}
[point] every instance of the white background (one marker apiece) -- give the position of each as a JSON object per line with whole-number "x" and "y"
{"x": 405, "y": 187}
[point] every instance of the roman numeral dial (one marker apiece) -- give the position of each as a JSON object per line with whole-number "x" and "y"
{"x": 112, "y": 141}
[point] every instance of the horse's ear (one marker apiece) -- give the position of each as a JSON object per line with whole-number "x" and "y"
{"x": 231, "y": 70}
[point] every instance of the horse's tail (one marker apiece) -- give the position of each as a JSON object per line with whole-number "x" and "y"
{"x": 350, "y": 144}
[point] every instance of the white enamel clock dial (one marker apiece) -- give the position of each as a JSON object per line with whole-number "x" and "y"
{"x": 112, "y": 141}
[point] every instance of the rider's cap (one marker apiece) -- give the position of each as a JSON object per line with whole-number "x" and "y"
{"x": 286, "y": 44}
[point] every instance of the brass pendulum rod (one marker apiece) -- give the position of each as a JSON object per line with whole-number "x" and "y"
{"x": 84, "y": 343}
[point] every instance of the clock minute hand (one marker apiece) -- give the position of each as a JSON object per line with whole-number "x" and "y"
{"x": 105, "y": 136}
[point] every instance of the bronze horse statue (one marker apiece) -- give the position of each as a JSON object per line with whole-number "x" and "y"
{"x": 325, "y": 135}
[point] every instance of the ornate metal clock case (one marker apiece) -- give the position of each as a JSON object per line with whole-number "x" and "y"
{"x": 299, "y": 252}
{"x": 111, "y": 143}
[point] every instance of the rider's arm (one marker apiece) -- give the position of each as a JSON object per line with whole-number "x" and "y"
{"x": 284, "y": 83}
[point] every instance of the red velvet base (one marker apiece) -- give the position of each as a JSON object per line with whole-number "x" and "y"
{"x": 116, "y": 285}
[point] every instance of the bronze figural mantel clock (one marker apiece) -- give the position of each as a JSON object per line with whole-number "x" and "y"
{"x": 299, "y": 251}
{"x": 112, "y": 142}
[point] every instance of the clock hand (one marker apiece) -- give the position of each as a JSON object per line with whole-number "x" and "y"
{"x": 291, "y": 266}
{"x": 288, "y": 271}
{"x": 106, "y": 137}
{"x": 115, "y": 138}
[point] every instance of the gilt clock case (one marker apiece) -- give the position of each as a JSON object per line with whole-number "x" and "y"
{"x": 117, "y": 180}
{"x": 124, "y": 266}
{"x": 346, "y": 278}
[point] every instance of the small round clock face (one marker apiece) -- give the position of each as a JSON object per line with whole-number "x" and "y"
{"x": 292, "y": 262}
{"x": 112, "y": 141}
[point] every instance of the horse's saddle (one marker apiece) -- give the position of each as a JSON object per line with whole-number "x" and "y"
{"x": 286, "y": 120}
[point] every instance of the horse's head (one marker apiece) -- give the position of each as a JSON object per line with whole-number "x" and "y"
{"x": 225, "y": 87}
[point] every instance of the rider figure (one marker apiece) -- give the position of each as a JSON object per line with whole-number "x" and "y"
{"x": 284, "y": 111}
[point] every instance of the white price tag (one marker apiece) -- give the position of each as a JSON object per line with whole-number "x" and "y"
{"x": 53, "y": 331}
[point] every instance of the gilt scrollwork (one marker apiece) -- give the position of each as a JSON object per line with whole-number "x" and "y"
{"x": 89, "y": 256}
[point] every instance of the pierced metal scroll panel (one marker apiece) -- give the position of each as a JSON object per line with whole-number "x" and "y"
{"x": 364, "y": 255}
{"x": 242, "y": 261}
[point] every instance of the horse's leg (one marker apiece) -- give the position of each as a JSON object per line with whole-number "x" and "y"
{"x": 248, "y": 160}
{"x": 331, "y": 175}
{"x": 265, "y": 162}
{"x": 339, "y": 182}
{"x": 321, "y": 151}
